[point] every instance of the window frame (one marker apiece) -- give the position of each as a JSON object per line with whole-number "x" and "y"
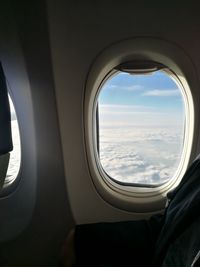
{"x": 137, "y": 199}
{"x": 98, "y": 161}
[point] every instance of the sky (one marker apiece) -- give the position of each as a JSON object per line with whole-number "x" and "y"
{"x": 141, "y": 127}
{"x": 141, "y": 99}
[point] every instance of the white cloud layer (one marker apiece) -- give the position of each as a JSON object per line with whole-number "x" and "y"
{"x": 145, "y": 155}
{"x": 173, "y": 92}
{"x": 124, "y": 109}
{"x": 130, "y": 88}
{"x": 15, "y": 154}
{"x": 137, "y": 115}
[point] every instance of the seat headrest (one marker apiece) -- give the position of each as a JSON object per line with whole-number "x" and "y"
{"x": 6, "y": 144}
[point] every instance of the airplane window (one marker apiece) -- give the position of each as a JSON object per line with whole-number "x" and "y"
{"x": 15, "y": 154}
{"x": 140, "y": 127}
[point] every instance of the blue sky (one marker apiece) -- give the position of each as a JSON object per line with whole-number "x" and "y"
{"x": 141, "y": 99}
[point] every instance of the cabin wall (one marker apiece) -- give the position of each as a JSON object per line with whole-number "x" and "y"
{"x": 79, "y": 32}
{"x": 36, "y": 216}
{"x": 47, "y": 50}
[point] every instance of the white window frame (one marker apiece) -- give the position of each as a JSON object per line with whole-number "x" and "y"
{"x": 138, "y": 199}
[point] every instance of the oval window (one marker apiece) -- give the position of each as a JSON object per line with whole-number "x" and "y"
{"x": 15, "y": 154}
{"x": 140, "y": 126}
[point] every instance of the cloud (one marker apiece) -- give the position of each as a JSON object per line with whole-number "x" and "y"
{"x": 130, "y": 88}
{"x": 173, "y": 92}
{"x": 123, "y": 109}
{"x": 15, "y": 155}
{"x": 145, "y": 155}
{"x": 137, "y": 115}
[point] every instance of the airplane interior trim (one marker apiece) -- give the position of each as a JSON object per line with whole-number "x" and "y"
{"x": 56, "y": 55}
{"x": 137, "y": 198}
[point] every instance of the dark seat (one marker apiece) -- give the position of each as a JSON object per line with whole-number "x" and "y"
{"x": 171, "y": 239}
